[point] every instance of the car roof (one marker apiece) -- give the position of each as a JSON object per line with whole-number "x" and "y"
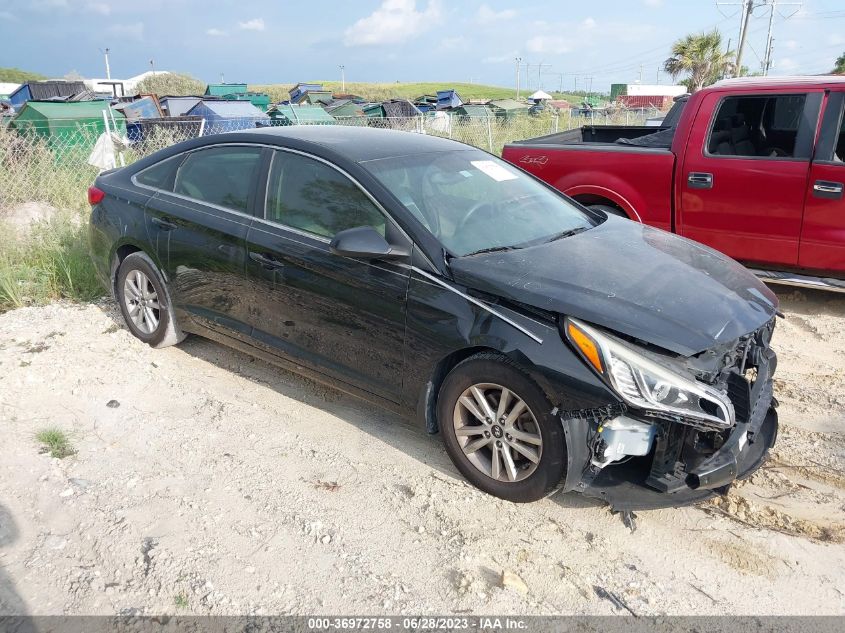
{"x": 357, "y": 144}
{"x": 781, "y": 82}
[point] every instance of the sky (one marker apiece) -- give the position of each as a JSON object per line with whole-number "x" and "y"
{"x": 573, "y": 44}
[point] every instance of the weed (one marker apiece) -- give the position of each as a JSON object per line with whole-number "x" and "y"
{"x": 181, "y": 600}
{"x": 56, "y": 442}
{"x": 50, "y": 262}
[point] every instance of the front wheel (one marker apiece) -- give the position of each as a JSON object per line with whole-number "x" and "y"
{"x": 498, "y": 429}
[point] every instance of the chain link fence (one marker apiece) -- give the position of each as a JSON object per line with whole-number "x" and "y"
{"x": 50, "y": 162}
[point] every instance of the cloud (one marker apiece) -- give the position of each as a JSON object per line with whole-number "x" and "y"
{"x": 5, "y": 15}
{"x": 256, "y": 24}
{"x": 500, "y": 59}
{"x": 791, "y": 45}
{"x": 98, "y": 7}
{"x": 653, "y": 3}
{"x": 453, "y": 43}
{"x": 216, "y": 32}
{"x": 556, "y": 44}
{"x": 787, "y": 65}
{"x": 835, "y": 39}
{"x": 48, "y": 5}
{"x": 486, "y": 15}
{"x": 588, "y": 23}
{"x": 394, "y": 21}
{"x": 133, "y": 31}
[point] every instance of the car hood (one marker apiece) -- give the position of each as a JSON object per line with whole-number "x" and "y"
{"x": 631, "y": 278}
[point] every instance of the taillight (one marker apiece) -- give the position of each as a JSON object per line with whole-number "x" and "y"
{"x": 95, "y": 196}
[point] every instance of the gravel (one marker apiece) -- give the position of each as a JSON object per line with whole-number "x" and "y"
{"x": 222, "y": 485}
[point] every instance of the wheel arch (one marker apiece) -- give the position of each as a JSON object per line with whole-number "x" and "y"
{"x": 591, "y": 194}
{"x": 427, "y": 405}
{"x": 120, "y": 251}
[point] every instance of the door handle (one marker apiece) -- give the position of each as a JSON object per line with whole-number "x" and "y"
{"x": 828, "y": 189}
{"x": 700, "y": 180}
{"x": 164, "y": 224}
{"x": 266, "y": 261}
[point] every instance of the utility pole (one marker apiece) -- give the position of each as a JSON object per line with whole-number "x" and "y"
{"x": 518, "y": 61}
{"x": 770, "y": 40}
{"x": 641, "y": 74}
{"x": 153, "y": 67}
{"x": 747, "y": 9}
{"x": 767, "y": 61}
{"x": 108, "y": 69}
{"x": 540, "y": 67}
{"x": 342, "y": 78}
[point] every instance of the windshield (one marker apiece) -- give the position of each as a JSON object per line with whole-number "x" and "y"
{"x": 473, "y": 202}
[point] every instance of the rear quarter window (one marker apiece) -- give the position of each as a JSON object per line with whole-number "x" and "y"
{"x": 161, "y": 175}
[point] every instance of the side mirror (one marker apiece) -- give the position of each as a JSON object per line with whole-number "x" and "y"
{"x": 364, "y": 242}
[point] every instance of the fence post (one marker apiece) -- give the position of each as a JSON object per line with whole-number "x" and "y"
{"x": 489, "y": 135}
{"x": 449, "y": 115}
{"x": 202, "y": 126}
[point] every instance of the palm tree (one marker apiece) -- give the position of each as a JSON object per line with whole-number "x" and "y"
{"x": 700, "y": 56}
{"x": 839, "y": 69}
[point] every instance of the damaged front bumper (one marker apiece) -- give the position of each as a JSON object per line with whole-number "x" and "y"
{"x": 684, "y": 466}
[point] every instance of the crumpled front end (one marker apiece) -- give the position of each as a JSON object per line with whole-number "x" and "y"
{"x": 644, "y": 452}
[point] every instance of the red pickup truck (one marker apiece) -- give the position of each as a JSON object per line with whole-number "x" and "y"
{"x": 752, "y": 167}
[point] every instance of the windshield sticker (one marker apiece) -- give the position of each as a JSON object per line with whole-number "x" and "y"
{"x": 496, "y": 172}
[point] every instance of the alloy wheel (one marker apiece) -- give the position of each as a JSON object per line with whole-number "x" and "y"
{"x": 141, "y": 301}
{"x": 498, "y": 432}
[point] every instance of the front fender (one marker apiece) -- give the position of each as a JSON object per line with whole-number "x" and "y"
{"x": 444, "y": 325}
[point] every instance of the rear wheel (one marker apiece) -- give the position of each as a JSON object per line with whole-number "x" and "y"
{"x": 498, "y": 429}
{"x": 145, "y": 302}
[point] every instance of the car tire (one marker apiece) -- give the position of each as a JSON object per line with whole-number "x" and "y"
{"x": 145, "y": 302}
{"x": 518, "y": 479}
{"x": 609, "y": 210}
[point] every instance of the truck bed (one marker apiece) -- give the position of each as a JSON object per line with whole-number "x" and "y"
{"x": 596, "y": 134}
{"x": 637, "y": 179}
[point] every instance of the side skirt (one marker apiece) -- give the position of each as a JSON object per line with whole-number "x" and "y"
{"x": 252, "y": 350}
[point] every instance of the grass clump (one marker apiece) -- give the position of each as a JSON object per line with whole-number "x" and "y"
{"x": 49, "y": 261}
{"x": 56, "y": 442}
{"x": 181, "y": 601}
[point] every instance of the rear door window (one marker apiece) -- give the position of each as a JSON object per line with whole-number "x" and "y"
{"x": 308, "y": 195}
{"x": 224, "y": 176}
{"x": 757, "y": 126}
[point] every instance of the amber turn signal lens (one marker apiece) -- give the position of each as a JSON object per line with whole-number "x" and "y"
{"x": 586, "y": 345}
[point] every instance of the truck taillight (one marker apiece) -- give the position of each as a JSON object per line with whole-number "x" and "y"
{"x": 95, "y": 196}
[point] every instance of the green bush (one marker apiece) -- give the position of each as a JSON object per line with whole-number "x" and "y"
{"x": 173, "y": 84}
{"x": 50, "y": 262}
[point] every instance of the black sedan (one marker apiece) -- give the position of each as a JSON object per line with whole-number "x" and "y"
{"x": 550, "y": 345}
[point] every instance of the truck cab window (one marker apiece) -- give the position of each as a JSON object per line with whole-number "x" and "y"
{"x": 757, "y": 126}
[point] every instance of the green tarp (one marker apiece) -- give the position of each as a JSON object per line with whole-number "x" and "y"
{"x": 66, "y": 124}
{"x": 284, "y": 114}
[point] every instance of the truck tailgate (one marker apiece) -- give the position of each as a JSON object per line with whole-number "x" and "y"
{"x": 636, "y": 179}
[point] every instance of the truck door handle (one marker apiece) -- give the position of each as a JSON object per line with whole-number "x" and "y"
{"x": 828, "y": 189}
{"x": 164, "y": 224}
{"x": 700, "y": 180}
{"x": 267, "y": 261}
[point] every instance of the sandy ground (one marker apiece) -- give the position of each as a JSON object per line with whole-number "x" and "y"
{"x": 208, "y": 482}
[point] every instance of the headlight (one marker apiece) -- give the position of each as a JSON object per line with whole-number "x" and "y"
{"x": 647, "y": 385}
